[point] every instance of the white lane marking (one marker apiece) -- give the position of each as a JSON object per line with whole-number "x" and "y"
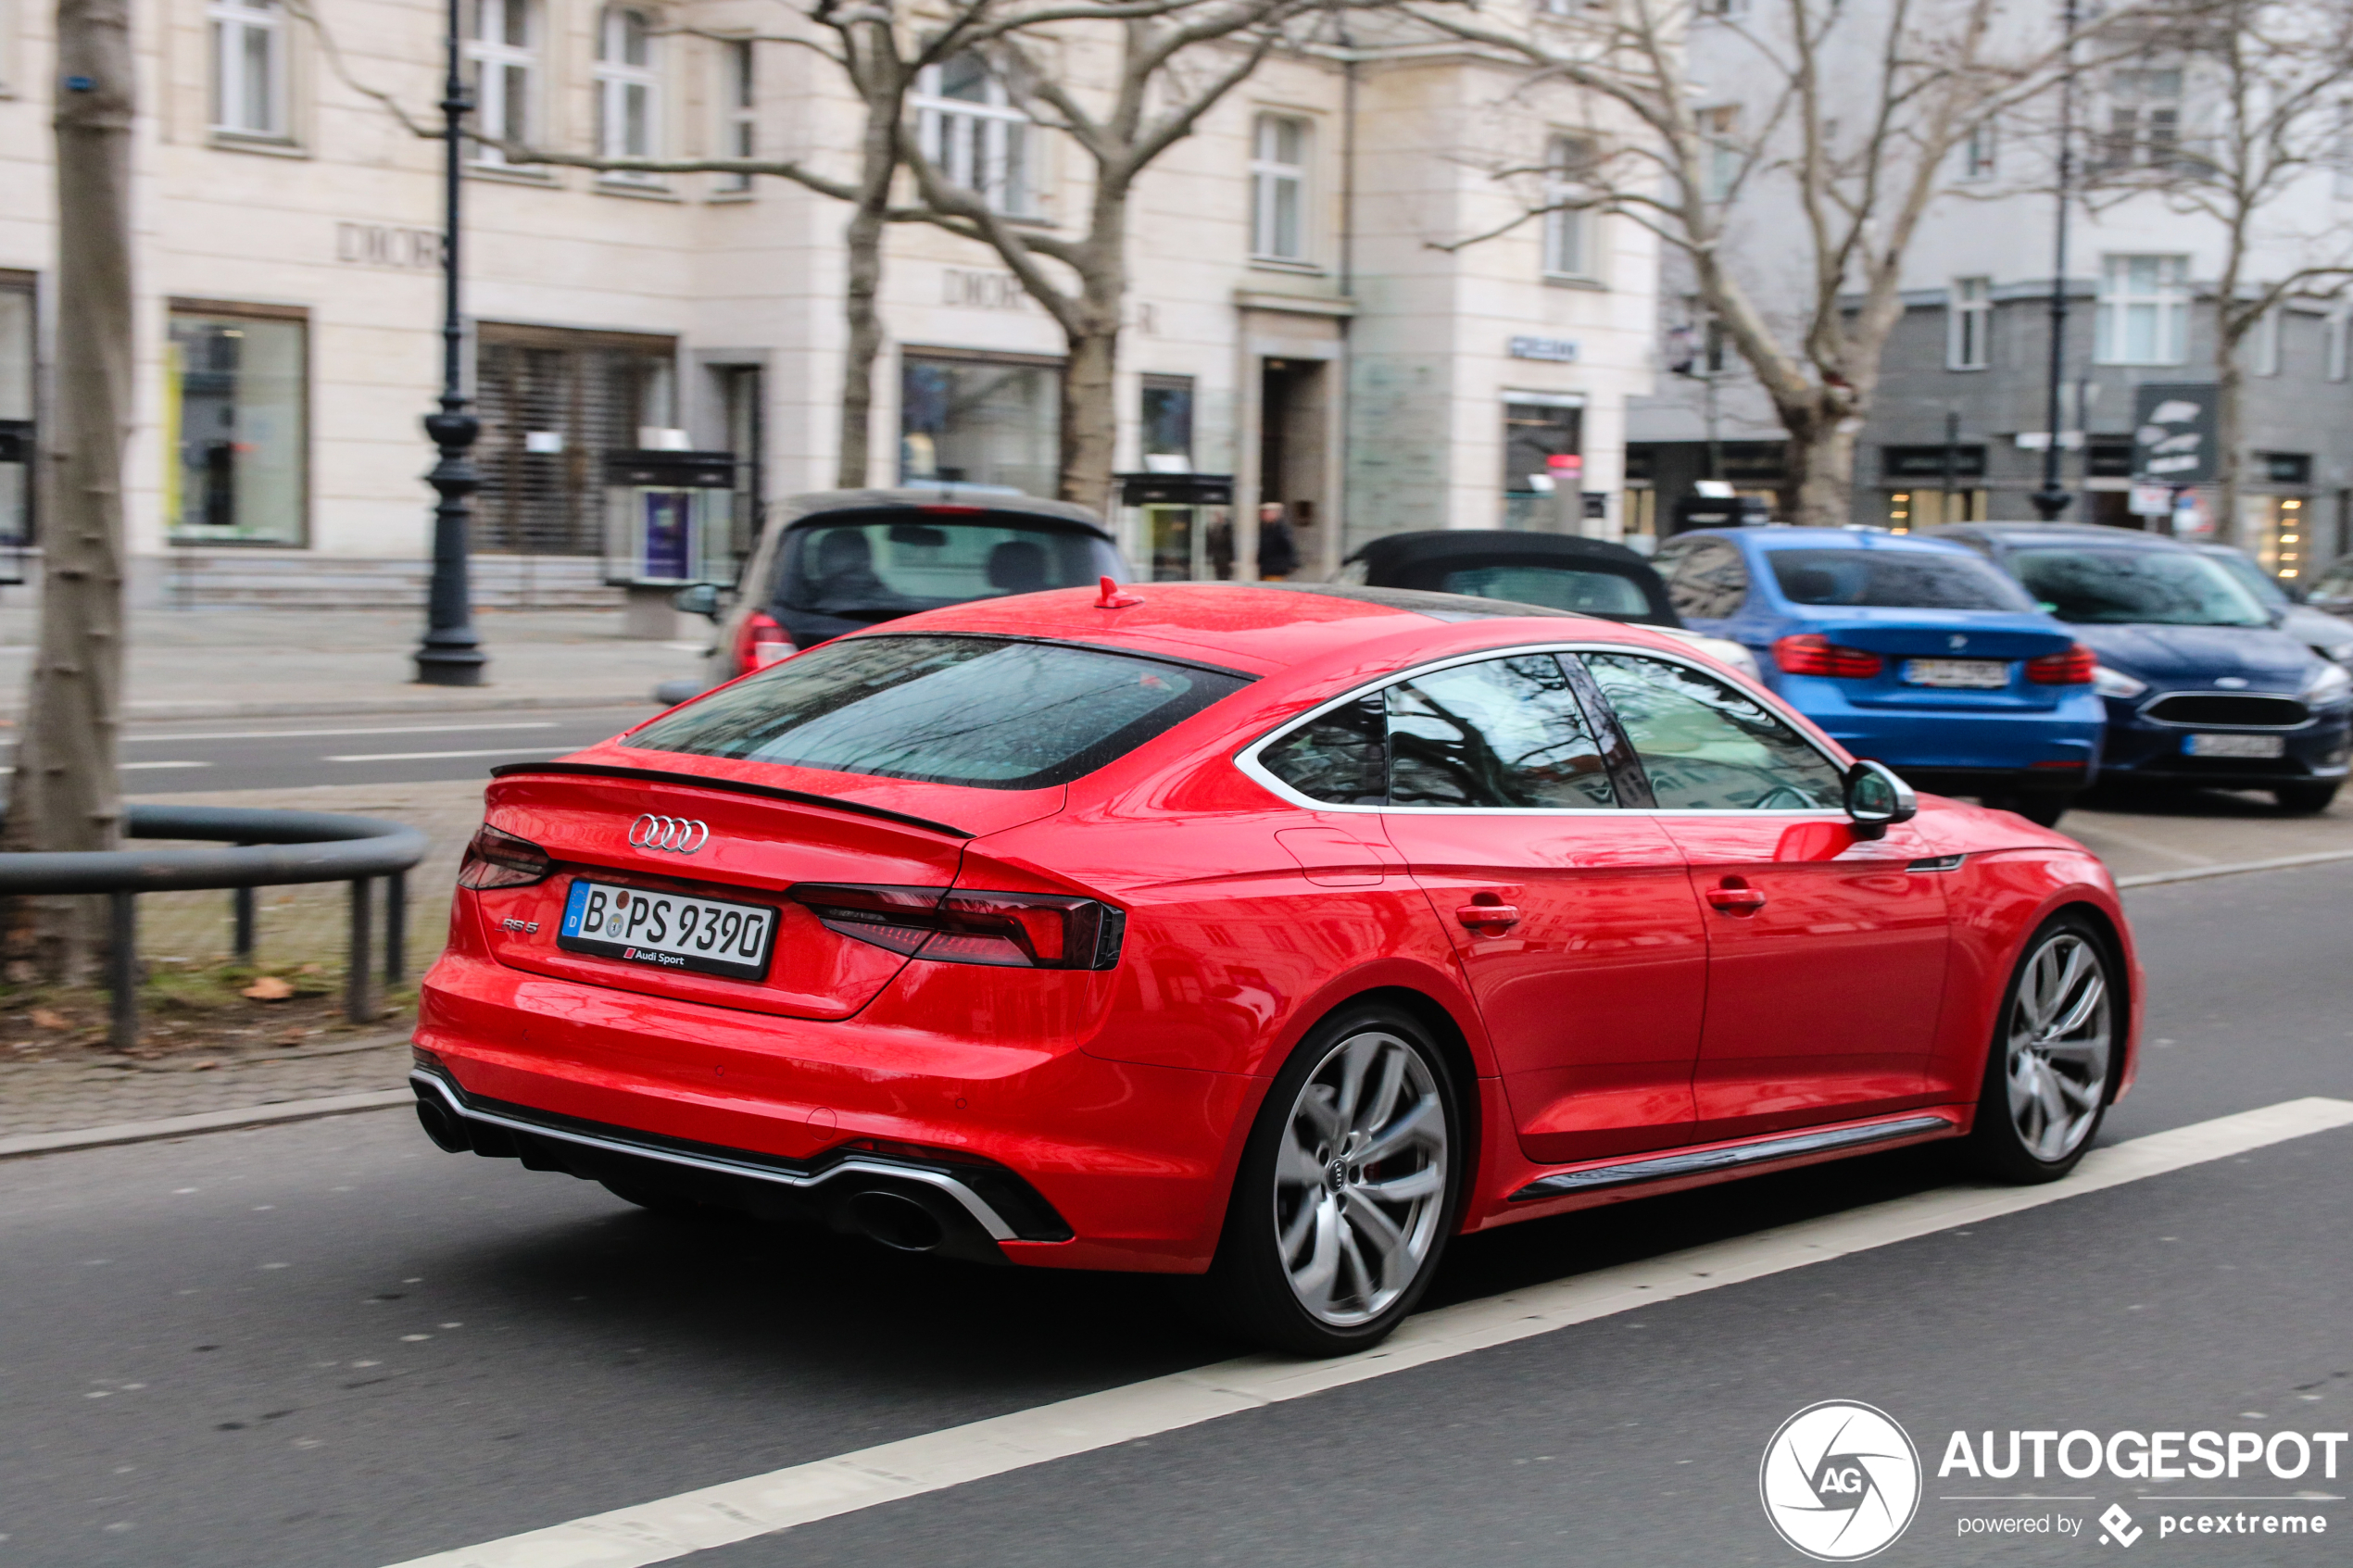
{"x": 801, "y": 1494}
{"x": 426, "y": 756}
{"x": 309, "y": 734}
{"x": 131, "y": 767}
{"x": 2319, "y": 858}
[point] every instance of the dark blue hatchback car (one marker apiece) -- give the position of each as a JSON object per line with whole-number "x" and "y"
{"x": 1914, "y": 654}
{"x": 2201, "y": 686}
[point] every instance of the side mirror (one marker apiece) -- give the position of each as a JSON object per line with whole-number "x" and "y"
{"x": 1876, "y": 798}
{"x": 700, "y": 599}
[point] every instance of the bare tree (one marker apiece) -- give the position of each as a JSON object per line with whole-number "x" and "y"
{"x": 1794, "y": 183}
{"x": 65, "y": 794}
{"x": 2263, "y": 84}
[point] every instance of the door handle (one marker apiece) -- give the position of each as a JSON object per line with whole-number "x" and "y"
{"x": 1477, "y": 915}
{"x": 1736, "y": 900}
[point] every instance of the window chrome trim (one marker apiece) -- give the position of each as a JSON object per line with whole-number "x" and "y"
{"x": 1247, "y": 758}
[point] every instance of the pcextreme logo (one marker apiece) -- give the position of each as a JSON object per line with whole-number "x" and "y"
{"x": 1841, "y": 1481}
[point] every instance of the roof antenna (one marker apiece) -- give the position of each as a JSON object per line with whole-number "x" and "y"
{"x": 1112, "y": 598}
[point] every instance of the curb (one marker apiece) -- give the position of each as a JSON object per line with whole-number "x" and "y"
{"x": 203, "y": 1121}
{"x": 164, "y": 712}
{"x": 2200, "y": 873}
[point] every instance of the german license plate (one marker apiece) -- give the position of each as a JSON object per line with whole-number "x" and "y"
{"x": 2235, "y": 745}
{"x": 1968, "y": 675}
{"x": 668, "y": 930}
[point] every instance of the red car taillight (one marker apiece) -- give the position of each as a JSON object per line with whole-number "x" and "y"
{"x": 1808, "y": 653}
{"x": 2071, "y": 668}
{"x": 759, "y": 640}
{"x": 500, "y": 860}
{"x": 957, "y": 925}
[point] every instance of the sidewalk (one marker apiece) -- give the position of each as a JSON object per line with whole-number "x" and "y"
{"x": 230, "y": 662}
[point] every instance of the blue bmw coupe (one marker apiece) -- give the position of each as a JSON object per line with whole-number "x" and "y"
{"x": 1912, "y": 653}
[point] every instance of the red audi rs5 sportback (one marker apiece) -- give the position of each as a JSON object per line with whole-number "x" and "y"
{"x": 1277, "y": 933}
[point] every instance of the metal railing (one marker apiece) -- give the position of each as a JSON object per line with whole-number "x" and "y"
{"x": 267, "y": 850}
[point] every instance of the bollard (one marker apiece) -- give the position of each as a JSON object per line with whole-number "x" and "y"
{"x": 123, "y": 969}
{"x": 241, "y": 914}
{"x": 358, "y": 1001}
{"x": 395, "y": 930}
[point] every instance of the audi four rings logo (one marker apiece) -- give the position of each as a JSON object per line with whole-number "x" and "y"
{"x": 680, "y": 835}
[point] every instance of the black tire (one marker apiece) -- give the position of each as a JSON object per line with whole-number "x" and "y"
{"x": 2305, "y": 800}
{"x": 669, "y": 1205}
{"x": 2043, "y": 808}
{"x": 1252, "y": 1282}
{"x": 2016, "y": 1139}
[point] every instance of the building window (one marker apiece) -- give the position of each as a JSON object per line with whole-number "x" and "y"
{"x": 248, "y": 68}
{"x": 1970, "y": 324}
{"x": 1543, "y": 462}
{"x": 1278, "y": 188}
{"x": 1568, "y": 231}
{"x": 1719, "y": 129}
{"x": 628, "y": 87}
{"x": 2143, "y": 127}
{"x": 17, "y": 442}
{"x": 2333, "y": 339}
{"x": 2341, "y": 154}
{"x": 970, "y": 132}
{"x": 979, "y": 421}
{"x": 1168, "y": 424}
{"x": 2268, "y": 328}
{"x": 237, "y": 402}
{"x": 1977, "y": 152}
{"x": 553, "y": 403}
{"x": 2144, "y": 311}
{"x": 739, "y": 108}
{"x": 502, "y": 49}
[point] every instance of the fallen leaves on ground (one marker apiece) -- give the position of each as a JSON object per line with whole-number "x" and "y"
{"x": 46, "y": 1018}
{"x": 269, "y": 988}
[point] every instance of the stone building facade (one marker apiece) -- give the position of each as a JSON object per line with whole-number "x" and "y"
{"x": 1293, "y": 321}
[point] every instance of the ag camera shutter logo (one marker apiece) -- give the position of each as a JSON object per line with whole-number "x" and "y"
{"x": 1841, "y": 1481}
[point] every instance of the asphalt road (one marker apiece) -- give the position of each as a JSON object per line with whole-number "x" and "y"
{"x": 330, "y": 1345}
{"x": 364, "y": 749}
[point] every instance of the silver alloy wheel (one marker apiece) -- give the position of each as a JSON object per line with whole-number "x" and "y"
{"x": 1360, "y": 1178}
{"x": 2059, "y": 1045}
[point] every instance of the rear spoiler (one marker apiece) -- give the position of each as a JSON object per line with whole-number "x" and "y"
{"x": 729, "y": 787}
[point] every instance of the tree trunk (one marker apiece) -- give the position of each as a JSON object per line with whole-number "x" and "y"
{"x": 1821, "y": 464}
{"x": 864, "y": 239}
{"x": 2229, "y": 390}
{"x": 65, "y": 791}
{"x": 1090, "y": 412}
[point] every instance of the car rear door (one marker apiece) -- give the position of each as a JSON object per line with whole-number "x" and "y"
{"x": 1826, "y": 951}
{"x": 1574, "y": 922}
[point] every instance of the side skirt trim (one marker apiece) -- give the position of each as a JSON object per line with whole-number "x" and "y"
{"x": 1699, "y": 1161}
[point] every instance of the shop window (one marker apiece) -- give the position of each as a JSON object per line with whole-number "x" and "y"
{"x": 973, "y": 133}
{"x": 2283, "y": 544}
{"x": 552, "y": 403}
{"x": 979, "y": 421}
{"x": 248, "y": 67}
{"x": 15, "y": 409}
{"x": 1544, "y": 464}
{"x": 502, "y": 56}
{"x": 1278, "y": 188}
{"x": 1910, "y": 510}
{"x": 1168, "y": 424}
{"x": 236, "y": 397}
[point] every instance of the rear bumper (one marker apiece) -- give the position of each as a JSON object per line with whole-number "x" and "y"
{"x": 2315, "y": 753}
{"x": 1083, "y": 1163}
{"x": 1954, "y": 743}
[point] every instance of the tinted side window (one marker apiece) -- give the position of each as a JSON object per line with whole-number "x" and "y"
{"x": 1342, "y": 758}
{"x": 1504, "y": 732}
{"x": 1707, "y": 746}
{"x": 1707, "y": 579}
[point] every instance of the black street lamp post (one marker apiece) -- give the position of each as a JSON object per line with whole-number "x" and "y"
{"x": 451, "y": 655}
{"x": 2051, "y": 500}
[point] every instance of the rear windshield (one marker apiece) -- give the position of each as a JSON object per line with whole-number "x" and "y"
{"x": 1555, "y": 587}
{"x": 894, "y": 566}
{"x": 1892, "y": 580}
{"x": 2136, "y": 587}
{"x": 989, "y": 713}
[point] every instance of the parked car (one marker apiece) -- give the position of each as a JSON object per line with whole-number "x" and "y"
{"x": 841, "y": 560}
{"x": 1556, "y": 570}
{"x": 1273, "y": 933}
{"x": 2330, "y": 637}
{"x": 1913, "y": 653}
{"x": 2331, "y": 589}
{"x": 2202, "y": 689}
